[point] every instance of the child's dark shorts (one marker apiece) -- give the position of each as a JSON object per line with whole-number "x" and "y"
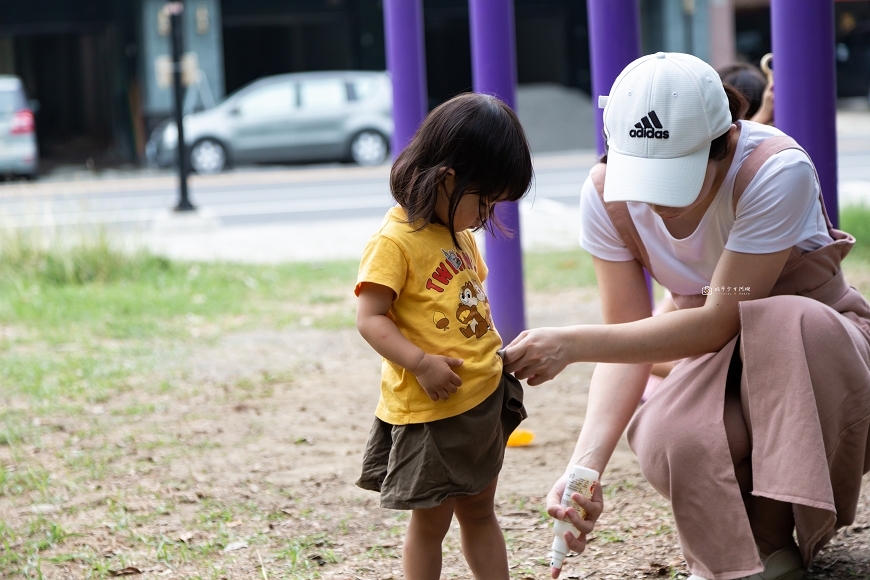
{"x": 418, "y": 466}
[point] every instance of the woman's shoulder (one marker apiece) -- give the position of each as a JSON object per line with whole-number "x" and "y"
{"x": 759, "y": 130}
{"x": 752, "y": 135}
{"x": 776, "y": 199}
{"x": 751, "y": 172}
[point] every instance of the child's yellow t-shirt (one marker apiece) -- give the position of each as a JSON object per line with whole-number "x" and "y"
{"x": 441, "y": 307}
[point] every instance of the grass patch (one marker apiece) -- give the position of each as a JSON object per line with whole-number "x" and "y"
{"x": 106, "y": 293}
{"x": 856, "y": 221}
{"x": 78, "y": 321}
{"x": 26, "y": 260}
{"x": 564, "y": 270}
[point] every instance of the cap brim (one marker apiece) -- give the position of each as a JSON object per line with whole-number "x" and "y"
{"x": 674, "y": 182}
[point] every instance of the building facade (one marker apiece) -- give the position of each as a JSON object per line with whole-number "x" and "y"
{"x": 92, "y": 64}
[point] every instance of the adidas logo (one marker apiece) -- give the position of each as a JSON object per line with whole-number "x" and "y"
{"x": 649, "y": 127}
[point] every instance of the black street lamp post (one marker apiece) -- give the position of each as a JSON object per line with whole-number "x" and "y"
{"x": 175, "y": 10}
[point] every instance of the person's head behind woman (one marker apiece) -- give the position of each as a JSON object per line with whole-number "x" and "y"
{"x": 477, "y": 136}
{"x": 666, "y": 119}
{"x": 748, "y": 80}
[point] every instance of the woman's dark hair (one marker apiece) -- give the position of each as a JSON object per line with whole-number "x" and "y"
{"x": 719, "y": 145}
{"x": 481, "y": 139}
{"x": 747, "y": 79}
{"x": 737, "y": 107}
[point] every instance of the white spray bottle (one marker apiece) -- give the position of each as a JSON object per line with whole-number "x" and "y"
{"x": 580, "y": 480}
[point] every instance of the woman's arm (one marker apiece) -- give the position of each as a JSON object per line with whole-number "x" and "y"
{"x": 541, "y": 354}
{"x": 614, "y": 394}
{"x": 433, "y": 372}
{"x": 616, "y": 389}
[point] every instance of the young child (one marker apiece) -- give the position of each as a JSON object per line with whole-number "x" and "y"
{"x": 446, "y": 410}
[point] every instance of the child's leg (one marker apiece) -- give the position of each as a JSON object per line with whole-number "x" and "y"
{"x": 482, "y": 538}
{"x": 421, "y": 557}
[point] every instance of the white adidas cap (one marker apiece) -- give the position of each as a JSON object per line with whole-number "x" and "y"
{"x": 662, "y": 113}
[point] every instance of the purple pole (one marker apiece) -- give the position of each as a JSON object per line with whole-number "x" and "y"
{"x": 406, "y": 61}
{"x": 805, "y": 79}
{"x": 614, "y": 41}
{"x": 494, "y": 68}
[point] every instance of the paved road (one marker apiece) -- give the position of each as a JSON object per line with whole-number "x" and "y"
{"x": 279, "y": 195}
{"x": 246, "y": 196}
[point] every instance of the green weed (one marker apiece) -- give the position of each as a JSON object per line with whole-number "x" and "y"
{"x": 306, "y": 553}
{"x": 608, "y": 536}
{"x": 20, "y": 550}
{"x": 25, "y": 480}
{"x": 612, "y": 490}
{"x": 661, "y": 530}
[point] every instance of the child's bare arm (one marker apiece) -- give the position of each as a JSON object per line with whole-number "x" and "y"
{"x": 433, "y": 372}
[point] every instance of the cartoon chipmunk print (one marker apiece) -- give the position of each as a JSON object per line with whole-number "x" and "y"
{"x": 473, "y": 310}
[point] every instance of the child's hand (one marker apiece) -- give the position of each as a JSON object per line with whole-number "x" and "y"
{"x": 436, "y": 376}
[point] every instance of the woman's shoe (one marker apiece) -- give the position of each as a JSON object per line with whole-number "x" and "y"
{"x": 785, "y": 564}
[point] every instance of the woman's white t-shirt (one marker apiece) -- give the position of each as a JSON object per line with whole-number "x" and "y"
{"x": 779, "y": 209}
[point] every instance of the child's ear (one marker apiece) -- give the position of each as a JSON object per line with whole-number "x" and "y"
{"x": 448, "y": 180}
{"x": 445, "y": 172}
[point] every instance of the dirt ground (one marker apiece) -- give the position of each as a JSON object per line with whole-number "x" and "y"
{"x": 243, "y": 467}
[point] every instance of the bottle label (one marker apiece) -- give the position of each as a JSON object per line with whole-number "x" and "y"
{"x": 579, "y": 485}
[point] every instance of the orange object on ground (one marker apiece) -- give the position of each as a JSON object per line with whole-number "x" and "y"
{"x": 520, "y": 438}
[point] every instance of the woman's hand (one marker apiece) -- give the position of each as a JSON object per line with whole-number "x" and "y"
{"x": 593, "y": 507}
{"x": 539, "y": 354}
{"x": 435, "y": 374}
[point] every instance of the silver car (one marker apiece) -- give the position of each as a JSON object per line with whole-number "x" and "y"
{"x": 322, "y": 116}
{"x": 18, "y": 152}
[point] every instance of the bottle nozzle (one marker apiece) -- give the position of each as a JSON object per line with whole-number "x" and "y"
{"x": 580, "y": 480}
{"x": 560, "y": 550}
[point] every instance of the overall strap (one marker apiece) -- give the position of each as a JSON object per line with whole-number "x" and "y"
{"x": 753, "y": 162}
{"x": 621, "y": 218}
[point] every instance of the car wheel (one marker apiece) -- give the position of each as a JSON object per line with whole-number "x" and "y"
{"x": 208, "y": 156}
{"x": 369, "y": 148}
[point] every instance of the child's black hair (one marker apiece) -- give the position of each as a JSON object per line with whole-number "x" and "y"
{"x": 481, "y": 139}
